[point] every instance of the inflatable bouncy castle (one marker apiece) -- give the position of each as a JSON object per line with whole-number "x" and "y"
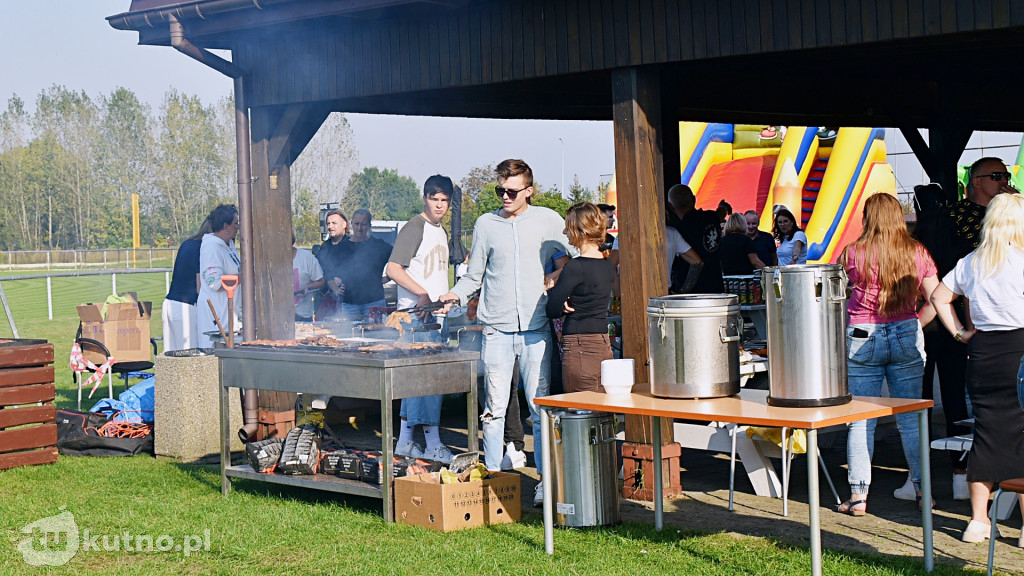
{"x": 822, "y": 175}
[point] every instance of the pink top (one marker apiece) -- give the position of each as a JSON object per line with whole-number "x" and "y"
{"x": 863, "y": 305}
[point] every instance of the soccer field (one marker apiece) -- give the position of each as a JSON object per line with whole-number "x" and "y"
{"x": 28, "y": 305}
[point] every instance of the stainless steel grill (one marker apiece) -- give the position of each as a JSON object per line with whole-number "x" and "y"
{"x": 380, "y": 376}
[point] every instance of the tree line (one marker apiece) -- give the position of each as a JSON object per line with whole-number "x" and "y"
{"x": 69, "y": 168}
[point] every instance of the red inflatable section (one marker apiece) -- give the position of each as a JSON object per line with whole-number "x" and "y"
{"x": 744, "y": 184}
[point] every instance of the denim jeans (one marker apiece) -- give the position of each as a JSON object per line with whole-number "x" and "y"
{"x": 894, "y": 352}
{"x": 1020, "y": 384}
{"x": 424, "y": 410}
{"x": 352, "y": 311}
{"x": 499, "y": 353}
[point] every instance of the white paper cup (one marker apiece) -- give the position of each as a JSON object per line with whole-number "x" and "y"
{"x": 617, "y": 376}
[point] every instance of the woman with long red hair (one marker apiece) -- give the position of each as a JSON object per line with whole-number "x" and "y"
{"x": 889, "y": 273}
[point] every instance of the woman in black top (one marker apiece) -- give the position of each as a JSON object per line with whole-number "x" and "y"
{"x": 736, "y": 250}
{"x": 582, "y": 293}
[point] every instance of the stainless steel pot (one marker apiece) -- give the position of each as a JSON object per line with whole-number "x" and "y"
{"x": 585, "y": 468}
{"x": 806, "y": 317}
{"x": 693, "y": 342}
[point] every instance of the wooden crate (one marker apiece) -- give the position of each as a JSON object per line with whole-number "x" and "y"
{"x": 28, "y": 429}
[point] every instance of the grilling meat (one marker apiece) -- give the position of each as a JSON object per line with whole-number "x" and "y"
{"x": 377, "y": 348}
{"x": 418, "y": 345}
{"x": 396, "y": 319}
{"x": 322, "y": 340}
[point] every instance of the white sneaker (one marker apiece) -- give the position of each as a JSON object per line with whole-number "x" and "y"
{"x": 439, "y": 453}
{"x": 905, "y": 492}
{"x": 409, "y": 450}
{"x": 960, "y": 490}
{"x": 538, "y": 495}
{"x": 513, "y": 458}
{"x": 977, "y": 532}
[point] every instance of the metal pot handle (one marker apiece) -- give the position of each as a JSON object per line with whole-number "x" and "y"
{"x": 661, "y": 322}
{"x": 726, "y": 338}
{"x": 837, "y": 286}
{"x": 777, "y": 284}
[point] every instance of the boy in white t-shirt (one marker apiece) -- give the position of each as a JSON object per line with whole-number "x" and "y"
{"x": 419, "y": 265}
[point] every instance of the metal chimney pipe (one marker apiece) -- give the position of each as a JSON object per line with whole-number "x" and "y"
{"x": 250, "y": 403}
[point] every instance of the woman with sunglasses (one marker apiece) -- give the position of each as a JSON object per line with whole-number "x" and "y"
{"x": 581, "y": 294}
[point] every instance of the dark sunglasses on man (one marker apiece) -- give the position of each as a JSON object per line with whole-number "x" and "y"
{"x": 512, "y": 194}
{"x": 996, "y": 176}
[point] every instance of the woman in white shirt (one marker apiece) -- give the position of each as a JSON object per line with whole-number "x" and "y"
{"x": 792, "y": 240}
{"x": 992, "y": 280}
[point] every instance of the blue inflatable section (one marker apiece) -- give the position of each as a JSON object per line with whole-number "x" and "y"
{"x": 712, "y": 133}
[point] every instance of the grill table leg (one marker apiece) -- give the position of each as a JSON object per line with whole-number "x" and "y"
{"x": 225, "y": 439}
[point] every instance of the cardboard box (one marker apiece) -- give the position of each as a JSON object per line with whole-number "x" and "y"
{"x": 124, "y": 330}
{"x": 423, "y": 501}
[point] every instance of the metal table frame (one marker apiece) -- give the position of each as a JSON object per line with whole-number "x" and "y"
{"x": 348, "y": 375}
{"x": 750, "y": 408}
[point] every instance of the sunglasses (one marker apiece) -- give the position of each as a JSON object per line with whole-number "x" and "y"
{"x": 512, "y": 194}
{"x": 996, "y": 176}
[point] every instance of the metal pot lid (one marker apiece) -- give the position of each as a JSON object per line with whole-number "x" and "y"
{"x": 570, "y": 413}
{"x": 692, "y": 301}
{"x": 806, "y": 268}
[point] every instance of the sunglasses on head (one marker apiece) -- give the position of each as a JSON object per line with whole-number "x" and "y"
{"x": 512, "y": 194}
{"x": 997, "y": 176}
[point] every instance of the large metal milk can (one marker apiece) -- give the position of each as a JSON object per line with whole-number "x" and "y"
{"x": 694, "y": 345}
{"x": 585, "y": 470}
{"x": 806, "y": 317}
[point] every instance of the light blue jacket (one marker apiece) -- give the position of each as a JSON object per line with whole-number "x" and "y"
{"x": 507, "y": 261}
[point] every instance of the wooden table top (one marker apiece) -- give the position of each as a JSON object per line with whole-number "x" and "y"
{"x": 749, "y": 408}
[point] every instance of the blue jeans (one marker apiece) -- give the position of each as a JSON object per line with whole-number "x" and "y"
{"x": 424, "y": 410}
{"x": 499, "y": 353}
{"x": 895, "y": 352}
{"x": 1020, "y": 384}
{"x": 357, "y": 310}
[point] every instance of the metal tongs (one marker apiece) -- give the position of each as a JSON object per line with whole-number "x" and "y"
{"x": 425, "y": 308}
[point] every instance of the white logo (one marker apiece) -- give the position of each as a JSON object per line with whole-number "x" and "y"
{"x": 55, "y": 543}
{"x": 55, "y": 540}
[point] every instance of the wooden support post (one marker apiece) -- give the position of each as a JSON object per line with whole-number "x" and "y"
{"x": 639, "y": 179}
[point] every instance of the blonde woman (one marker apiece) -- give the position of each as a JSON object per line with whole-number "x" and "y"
{"x": 992, "y": 280}
{"x": 889, "y": 272}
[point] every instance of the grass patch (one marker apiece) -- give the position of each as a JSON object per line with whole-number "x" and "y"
{"x": 265, "y": 529}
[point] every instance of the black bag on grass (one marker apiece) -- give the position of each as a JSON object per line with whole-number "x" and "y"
{"x": 77, "y": 436}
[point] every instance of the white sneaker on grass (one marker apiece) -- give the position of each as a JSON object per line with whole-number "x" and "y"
{"x": 439, "y": 453}
{"x": 513, "y": 458}
{"x": 409, "y": 450}
{"x": 977, "y": 532}
{"x": 538, "y": 495}
{"x": 905, "y": 492}
{"x": 960, "y": 489}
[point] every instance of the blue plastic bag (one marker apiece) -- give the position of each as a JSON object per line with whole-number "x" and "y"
{"x": 136, "y": 403}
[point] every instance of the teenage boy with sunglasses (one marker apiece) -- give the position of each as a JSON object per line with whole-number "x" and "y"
{"x": 510, "y": 248}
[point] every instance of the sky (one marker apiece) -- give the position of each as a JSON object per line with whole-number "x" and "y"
{"x": 69, "y": 43}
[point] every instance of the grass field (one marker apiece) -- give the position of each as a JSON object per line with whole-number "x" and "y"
{"x": 263, "y": 529}
{"x": 27, "y": 301}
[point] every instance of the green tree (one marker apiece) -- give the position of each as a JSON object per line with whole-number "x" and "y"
{"x": 124, "y": 150}
{"x": 552, "y": 200}
{"x": 579, "y": 193}
{"x": 385, "y": 193}
{"x": 192, "y": 166}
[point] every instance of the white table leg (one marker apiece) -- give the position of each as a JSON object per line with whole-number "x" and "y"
{"x": 549, "y": 491}
{"x": 812, "y": 502}
{"x": 926, "y": 491}
{"x": 659, "y": 503}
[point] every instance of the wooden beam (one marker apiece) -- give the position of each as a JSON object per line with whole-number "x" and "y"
{"x": 272, "y": 224}
{"x": 639, "y": 176}
{"x": 297, "y": 126}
